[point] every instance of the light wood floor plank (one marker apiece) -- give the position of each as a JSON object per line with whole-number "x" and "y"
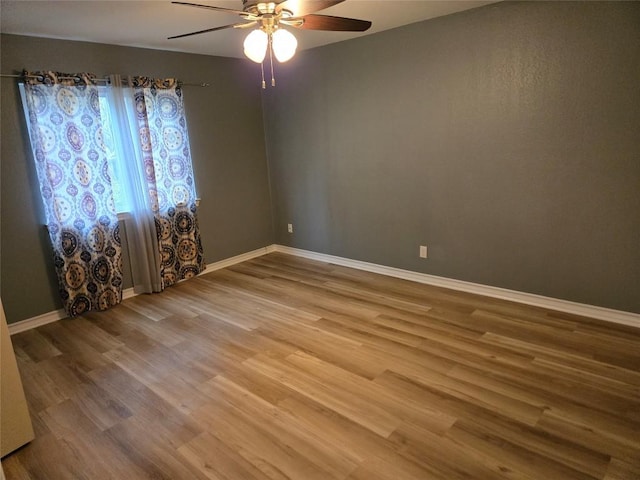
{"x": 288, "y": 368}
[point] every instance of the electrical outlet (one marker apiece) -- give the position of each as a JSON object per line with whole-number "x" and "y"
{"x": 290, "y": 227}
{"x": 423, "y": 251}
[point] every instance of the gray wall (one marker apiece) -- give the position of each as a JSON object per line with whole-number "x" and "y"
{"x": 227, "y": 142}
{"x": 505, "y": 138}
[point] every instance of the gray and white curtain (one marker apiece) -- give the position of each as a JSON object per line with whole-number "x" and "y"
{"x": 63, "y": 114}
{"x": 162, "y": 228}
{"x": 100, "y": 151}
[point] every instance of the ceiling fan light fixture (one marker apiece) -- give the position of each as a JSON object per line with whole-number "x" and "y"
{"x": 284, "y": 44}
{"x": 269, "y": 37}
{"x": 255, "y": 45}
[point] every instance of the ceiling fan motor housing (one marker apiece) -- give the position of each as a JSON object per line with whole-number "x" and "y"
{"x": 257, "y": 7}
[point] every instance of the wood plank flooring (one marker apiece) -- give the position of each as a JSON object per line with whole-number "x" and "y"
{"x": 285, "y": 368}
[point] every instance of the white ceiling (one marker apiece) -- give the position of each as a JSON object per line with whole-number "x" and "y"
{"x": 149, "y": 23}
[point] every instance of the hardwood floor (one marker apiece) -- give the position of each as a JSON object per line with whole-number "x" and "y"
{"x": 285, "y": 368}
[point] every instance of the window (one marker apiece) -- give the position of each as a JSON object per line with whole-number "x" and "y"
{"x": 99, "y": 151}
{"x": 110, "y": 138}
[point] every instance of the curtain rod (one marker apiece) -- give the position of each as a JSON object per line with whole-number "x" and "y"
{"x": 105, "y": 80}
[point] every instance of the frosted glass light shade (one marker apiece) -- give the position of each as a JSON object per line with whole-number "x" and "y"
{"x": 255, "y": 45}
{"x": 284, "y": 44}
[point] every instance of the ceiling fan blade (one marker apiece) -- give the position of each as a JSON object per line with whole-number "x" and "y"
{"x": 235, "y": 25}
{"x": 209, "y": 7}
{"x": 334, "y": 24}
{"x": 300, "y": 8}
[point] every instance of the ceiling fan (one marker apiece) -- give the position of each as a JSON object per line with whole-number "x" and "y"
{"x": 270, "y": 17}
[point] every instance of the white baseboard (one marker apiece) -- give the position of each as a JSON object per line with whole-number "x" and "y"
{"x": 56, "y": 315}
{"x": 36, "y": 321}
{"x": 243, "y": 257}
{"x": 128, "y": 293}
{"x": 591, "y": 311}
{"x": 51, "y": 317}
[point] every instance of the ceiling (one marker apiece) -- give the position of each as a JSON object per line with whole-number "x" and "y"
{"x": 148, "y": 23}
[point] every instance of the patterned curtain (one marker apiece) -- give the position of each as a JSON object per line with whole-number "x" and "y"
{"x": 164, "y": 140}
{"x": 66, "y": 138}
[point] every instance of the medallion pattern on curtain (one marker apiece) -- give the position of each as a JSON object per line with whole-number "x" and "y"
{"x": 74, "y": 178}
{"x": 164, "y": 140}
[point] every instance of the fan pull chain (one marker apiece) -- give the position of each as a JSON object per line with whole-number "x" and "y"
{"x": 273, "y": 79}
{"x": 264, "y": 85}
